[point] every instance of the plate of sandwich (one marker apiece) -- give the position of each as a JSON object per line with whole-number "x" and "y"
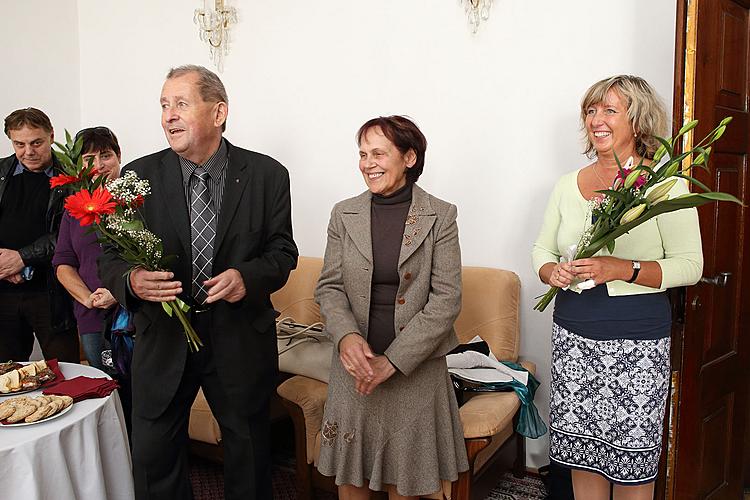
{"x": 18, "y": 378}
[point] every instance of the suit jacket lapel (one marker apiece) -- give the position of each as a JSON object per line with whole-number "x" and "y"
{"x": 237, "y": 179}
{"x": 171, "y": 182}
{"x": 356, "y": 219}
{"x": 419, "y": 222}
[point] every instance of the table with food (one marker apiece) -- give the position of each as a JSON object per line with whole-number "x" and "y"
{"x": 80, "y": 435}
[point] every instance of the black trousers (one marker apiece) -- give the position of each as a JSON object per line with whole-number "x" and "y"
{"x": 24, "y": 314}
{"x": 160, "y": 446}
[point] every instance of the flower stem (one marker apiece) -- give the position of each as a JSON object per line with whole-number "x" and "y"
{"x": 193, "y": 340}
{"x": 546, "y": 299}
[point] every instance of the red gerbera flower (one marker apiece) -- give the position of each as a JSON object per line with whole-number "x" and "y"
{"x": 62, "y": 179}
{"x": 89, "y": 207}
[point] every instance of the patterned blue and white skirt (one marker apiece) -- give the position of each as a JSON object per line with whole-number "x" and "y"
{"x": 607, "y": 405}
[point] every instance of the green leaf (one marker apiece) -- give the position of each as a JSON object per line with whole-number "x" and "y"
{"x": 614, "y": 194}
{"x": 695, "y": 181}
{"x": 667, "y": 145}
{"x": 133, "y": 225}
{"x": 78, "y": 147}
{"x": 182, "y": 305}
{"x": 725, "y": 121}
{"x": 703, "y": 156}
{"x": 611, "y": 247}
{"x": 68, "y": 139}
{"x": 64, "y": 160}
{"x": 167, "y": 308}
{"x": 687, "y": 127}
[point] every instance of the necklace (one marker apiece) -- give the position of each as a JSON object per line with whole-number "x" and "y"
{"x": 604, "y": 184}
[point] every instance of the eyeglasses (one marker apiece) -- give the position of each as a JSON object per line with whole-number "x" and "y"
{"x": 97, "y": 131}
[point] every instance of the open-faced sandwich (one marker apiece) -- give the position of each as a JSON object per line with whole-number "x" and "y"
{"x": 27, "y": 377}
{"x": 10, "y": 365}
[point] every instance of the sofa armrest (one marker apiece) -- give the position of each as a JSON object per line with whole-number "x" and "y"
{"x": 489, "y": 413}
{"x": 310, "y": 395}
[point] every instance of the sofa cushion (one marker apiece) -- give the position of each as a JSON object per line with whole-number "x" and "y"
{"x": 296, "y": 299}
{"x": 490, "y": 309}
{"x": 203, "y": 426}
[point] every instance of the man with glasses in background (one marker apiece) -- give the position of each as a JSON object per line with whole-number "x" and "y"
{"x": 32, "y": 301}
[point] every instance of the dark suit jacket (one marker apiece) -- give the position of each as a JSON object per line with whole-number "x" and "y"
{"x": 42, "y": 249}
{"x": 254, "y": 236}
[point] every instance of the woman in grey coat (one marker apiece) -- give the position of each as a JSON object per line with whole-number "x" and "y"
{"x": 389, "y": 292}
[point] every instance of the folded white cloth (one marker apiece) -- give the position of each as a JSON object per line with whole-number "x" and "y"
{"x": 475, "y": 366}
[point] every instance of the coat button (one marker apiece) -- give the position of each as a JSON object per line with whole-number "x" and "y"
{"x": 401, "y": 300}
{"x": 407, "y": 276}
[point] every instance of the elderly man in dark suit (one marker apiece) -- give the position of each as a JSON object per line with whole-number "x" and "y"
{"x": 225, "y": 212}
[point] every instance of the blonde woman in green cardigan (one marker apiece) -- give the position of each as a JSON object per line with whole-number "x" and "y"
{"x": 610, "y": 343}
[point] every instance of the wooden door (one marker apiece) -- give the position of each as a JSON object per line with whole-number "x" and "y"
{"x": 711, "y": 356}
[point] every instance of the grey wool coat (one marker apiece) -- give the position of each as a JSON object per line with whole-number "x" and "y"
{"x": 406, "y": 433}
{"x": 429, "y": 267}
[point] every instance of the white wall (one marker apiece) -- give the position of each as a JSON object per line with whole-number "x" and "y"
{"x": 39, "y": 53}
{"x": 499, "y": 108}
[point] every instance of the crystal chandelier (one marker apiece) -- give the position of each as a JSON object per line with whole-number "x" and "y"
{"x": 213, "y": 28}
{"x": 477, "y": 11}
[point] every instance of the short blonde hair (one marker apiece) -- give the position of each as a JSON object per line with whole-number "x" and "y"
{"x": 646, "y": 111}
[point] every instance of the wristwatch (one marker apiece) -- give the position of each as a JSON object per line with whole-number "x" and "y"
{"x": 636, "y": 270}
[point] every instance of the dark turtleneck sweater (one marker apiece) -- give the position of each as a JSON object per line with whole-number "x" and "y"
{"x": 388, "y": 219}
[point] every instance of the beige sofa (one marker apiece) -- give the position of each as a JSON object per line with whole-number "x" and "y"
{"x": 490, "y": 309}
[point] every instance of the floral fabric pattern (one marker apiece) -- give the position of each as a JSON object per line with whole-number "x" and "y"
{"x": 608, "y": 399}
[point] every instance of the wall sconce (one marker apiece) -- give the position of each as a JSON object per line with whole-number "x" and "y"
{"x": 477, "y": 11}
{"x": 213, "y": 28}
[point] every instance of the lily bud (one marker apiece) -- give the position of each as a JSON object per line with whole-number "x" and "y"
{"x": 659, "y": 200}
{"x": 671, "y": 170}
{"x": 631, "y": 178}
{"x": 688, "y": 127}
{"x": 660, "y": 190}
{"x": 701, "y": 158}
{"x": 633, "y": 214}
{"x": 660, "y": 153}
{"x": 719, "y": 132}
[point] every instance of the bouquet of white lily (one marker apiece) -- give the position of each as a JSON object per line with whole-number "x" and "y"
{"x": 640, "y": 193}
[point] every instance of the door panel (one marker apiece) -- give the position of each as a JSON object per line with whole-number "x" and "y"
{"x": 714, "y": 352}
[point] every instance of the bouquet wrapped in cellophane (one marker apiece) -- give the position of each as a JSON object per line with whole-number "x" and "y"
{"x": 640, "y": 193}
{"x": 110, "y": 207}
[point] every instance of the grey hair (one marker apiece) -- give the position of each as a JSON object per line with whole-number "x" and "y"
{"x": 210, "y": 86}
{"x": 646, "y": 111}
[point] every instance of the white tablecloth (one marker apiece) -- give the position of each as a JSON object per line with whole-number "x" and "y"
{"x": 82, "y": 455}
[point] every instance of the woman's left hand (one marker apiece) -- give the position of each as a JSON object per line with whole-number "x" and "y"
{"x": 382, "y": 368}
{"x": 602, "y": 269}
{"x": 102, "y": 298}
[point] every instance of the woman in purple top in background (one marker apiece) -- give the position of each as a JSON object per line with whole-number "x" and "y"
{"x": 77, "y": 250}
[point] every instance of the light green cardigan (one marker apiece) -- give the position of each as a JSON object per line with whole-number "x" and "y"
{"x": 673, "y": 239}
